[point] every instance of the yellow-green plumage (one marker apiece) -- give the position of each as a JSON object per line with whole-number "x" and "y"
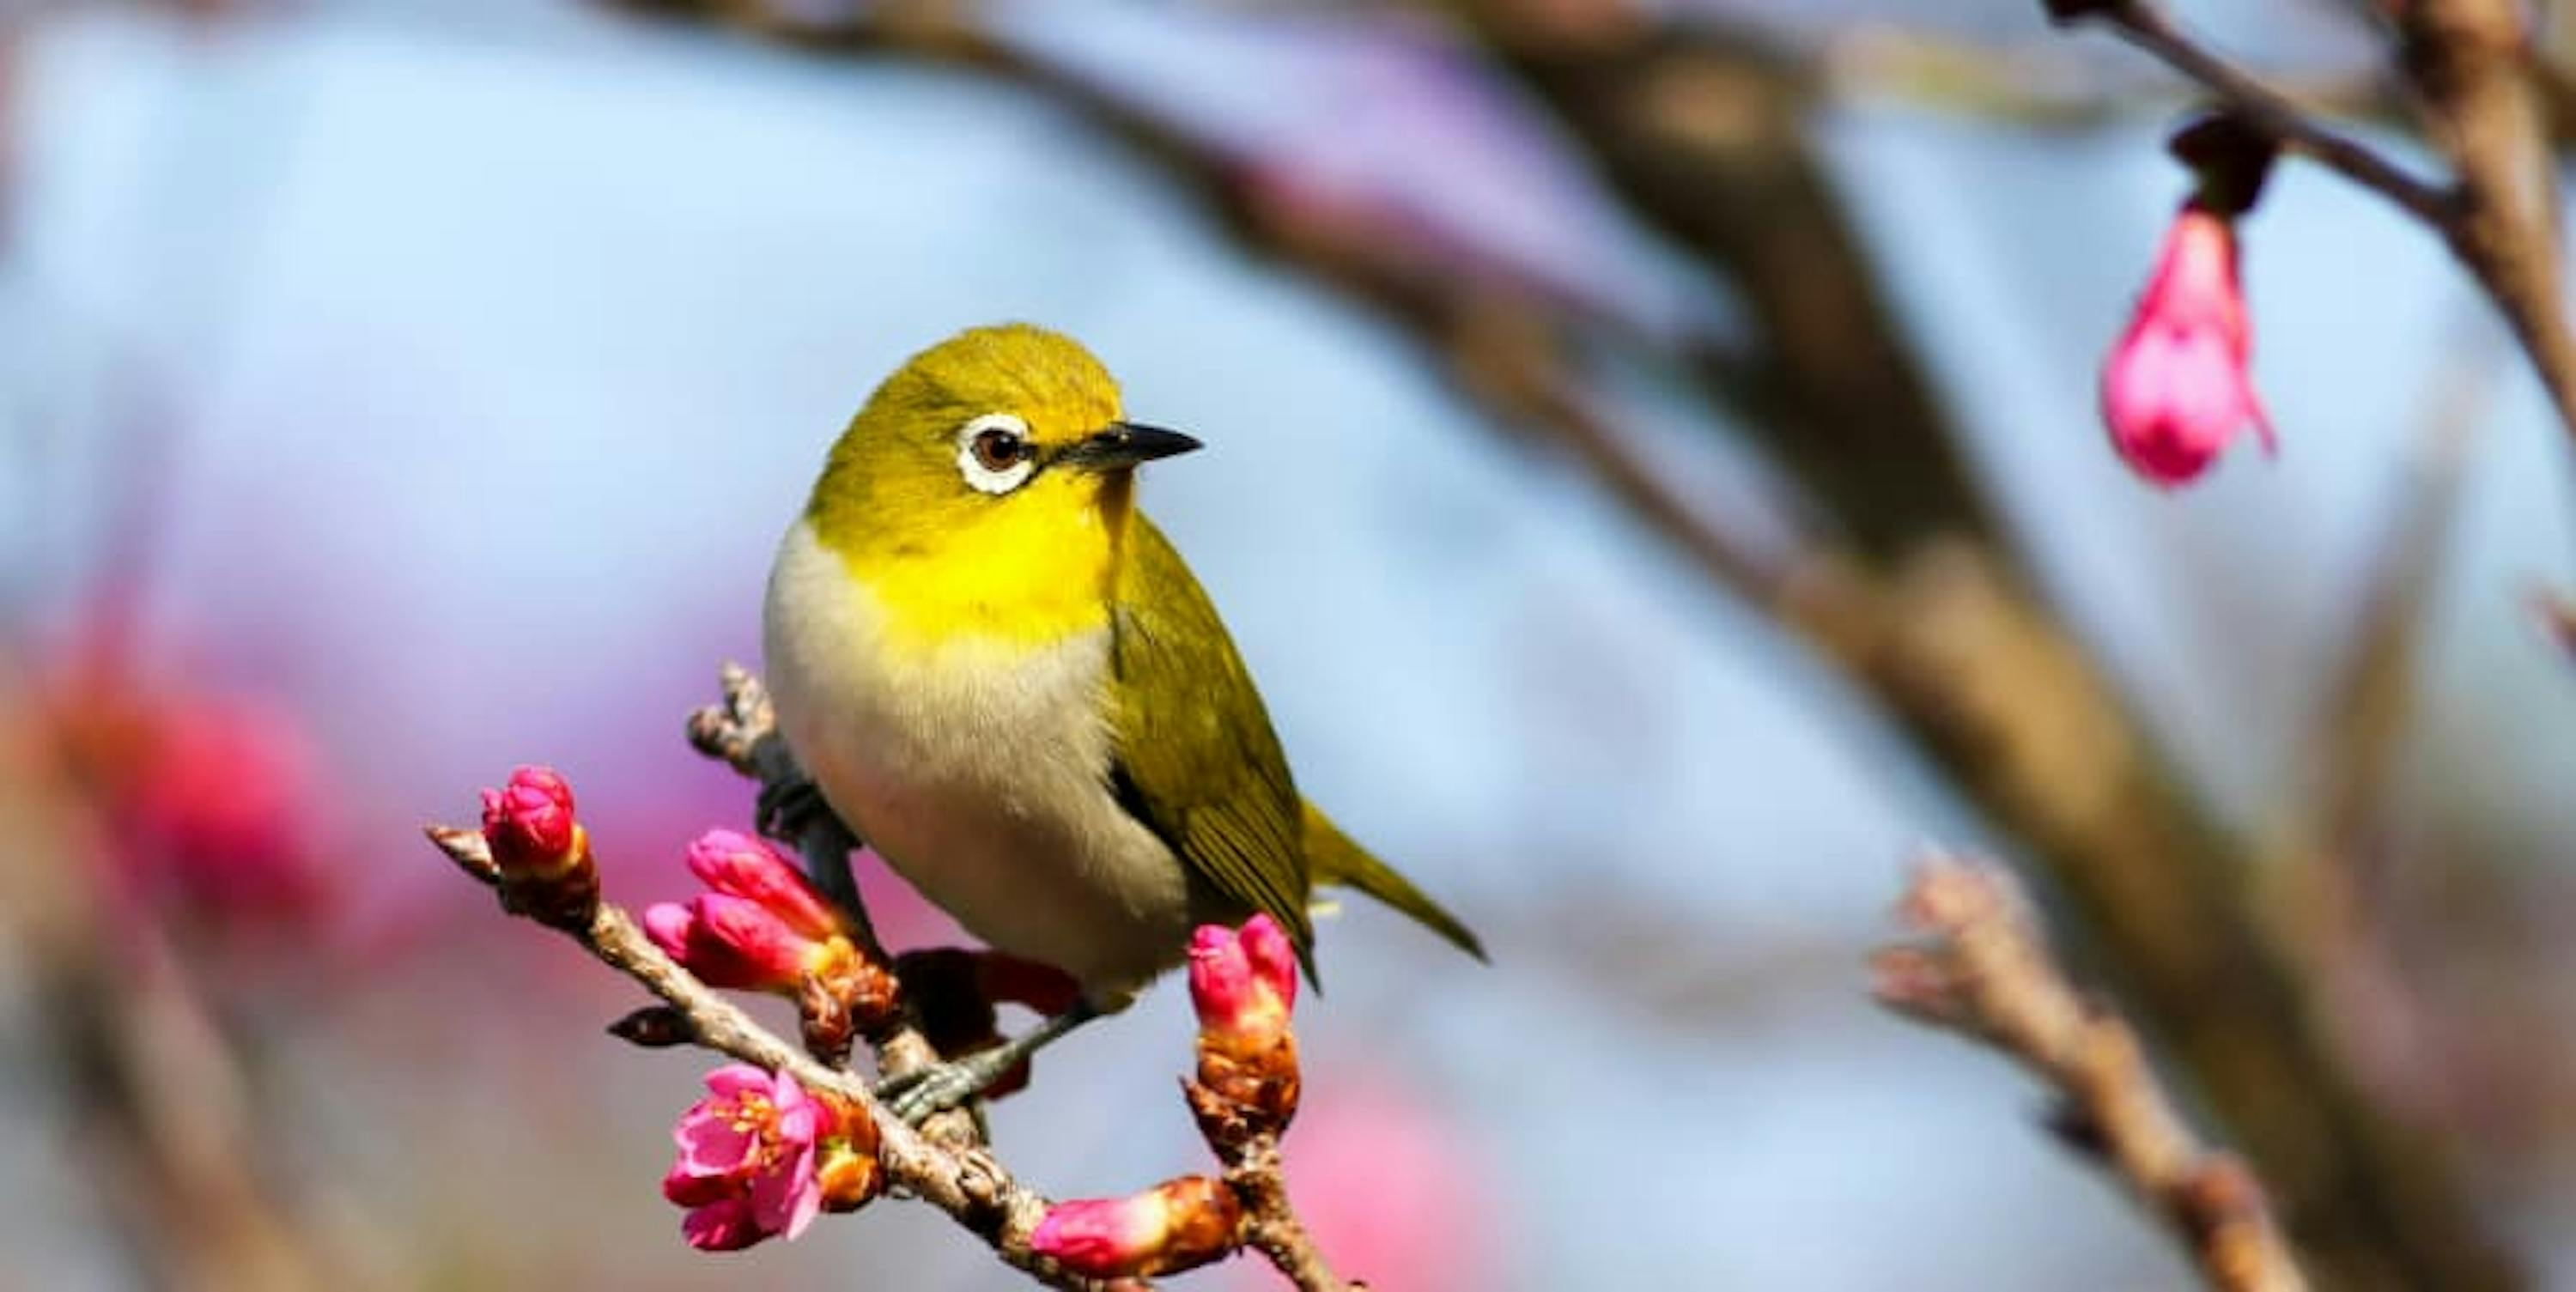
{"x": 1009, "y": 682}
{"x": 1199, "y": 763}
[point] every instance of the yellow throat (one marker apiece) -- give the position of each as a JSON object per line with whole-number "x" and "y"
{"x": 946, "y": 559}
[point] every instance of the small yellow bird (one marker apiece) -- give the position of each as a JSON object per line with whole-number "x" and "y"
{"x": 1003, "y": 678}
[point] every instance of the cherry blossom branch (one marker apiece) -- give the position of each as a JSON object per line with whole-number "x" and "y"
{"x": 539, "y": 860}
{"x": 1270, "y": 1223}
{"x": 2146, "y": 24}
{"x": 742, "y": 732}
{"x": 968, "y": 1184}
{"x": 1984, "y": 971}
{"x": 2469, "y": 62}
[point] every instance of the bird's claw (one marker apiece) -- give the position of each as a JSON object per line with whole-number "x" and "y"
{"x": 918, "y": 1096}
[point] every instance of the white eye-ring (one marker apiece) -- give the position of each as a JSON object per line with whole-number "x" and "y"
{"x": 994, "y": 454}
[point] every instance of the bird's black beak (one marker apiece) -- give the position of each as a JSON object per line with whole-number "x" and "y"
{"x": 1124, "y": 444}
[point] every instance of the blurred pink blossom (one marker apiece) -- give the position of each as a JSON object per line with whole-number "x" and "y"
{"x": 226, "y": 809}
{"x": 2176, "y": 388}
{"x": 1393, "y": 1194}
{"x": 746, "y": 1164}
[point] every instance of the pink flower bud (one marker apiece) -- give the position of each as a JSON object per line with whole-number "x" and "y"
{"x": 731, "y": 862}
{"x": 529, "y": 821}
{"x": 2176, "y": 388}
{"x": 746, "y": 1168}
{"x": 730, "y": 941}
{"x": 1176, "y": 1225}
{"x": 1245, "y": 983}
{"x": 542, "y": 853}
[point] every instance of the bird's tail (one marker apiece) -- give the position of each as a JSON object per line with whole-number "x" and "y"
{"x": 1331, "y": 858}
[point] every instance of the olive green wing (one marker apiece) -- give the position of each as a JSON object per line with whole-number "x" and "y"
{"x": 1197, "y": 762}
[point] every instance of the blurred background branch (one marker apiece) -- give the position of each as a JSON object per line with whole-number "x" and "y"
{"x": 175, "y": 1128}
{"x": 1982, "y": 969}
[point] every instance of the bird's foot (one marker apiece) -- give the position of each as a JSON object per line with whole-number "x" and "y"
{"x": 918, "y": 1096}
{"x": 785, "y": 808}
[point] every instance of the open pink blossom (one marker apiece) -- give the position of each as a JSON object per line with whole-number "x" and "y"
{"x": 1243, "y": 983}
{"x": 746, "y": 1168}
{"x": 2176, "y": 387}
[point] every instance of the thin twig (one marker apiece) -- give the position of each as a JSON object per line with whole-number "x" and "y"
{"x": 1271, "y": 1224}
{"x": 1985, "y": 972}
{"x": 2148, "y": 26}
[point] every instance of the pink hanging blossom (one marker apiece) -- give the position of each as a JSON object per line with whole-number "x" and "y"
{"x": 225, "y": 805}
{"x": 746, "y": 1168}
{"x": 2176, "y": 388}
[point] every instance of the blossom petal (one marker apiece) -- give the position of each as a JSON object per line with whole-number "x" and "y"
{"x": 734, "y": 1080}
{"x": 786, "y": 1198}
{"x": 721, "y": 1226}
{"x": 691, "y": 1188}
{"x": 713, "y": 1145}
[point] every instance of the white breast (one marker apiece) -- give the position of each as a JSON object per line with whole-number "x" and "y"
{"x": 980, "y": 773}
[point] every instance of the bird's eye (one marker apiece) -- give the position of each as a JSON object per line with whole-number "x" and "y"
{"x": 994, "y": 453}
{"x": 998, "y": 449}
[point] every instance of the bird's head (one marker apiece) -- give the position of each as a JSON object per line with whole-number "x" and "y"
{"x": 985, "y": 488}
{"x": 994, "y": 425}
